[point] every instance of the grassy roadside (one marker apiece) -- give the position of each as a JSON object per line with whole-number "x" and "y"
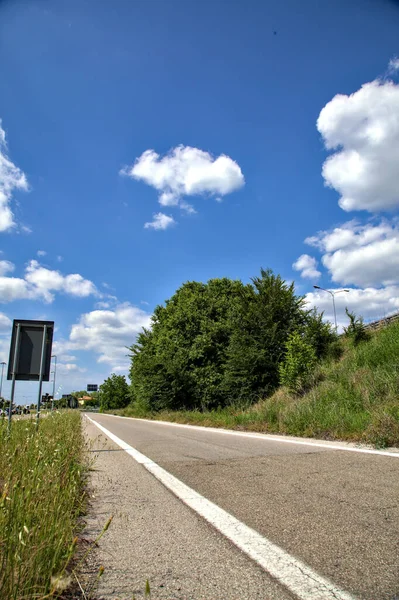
{"x": 355, "y": 398}
{"x": 42, "y": 476}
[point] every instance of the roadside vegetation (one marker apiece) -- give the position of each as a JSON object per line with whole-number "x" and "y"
{"x": 42, "y": 478}
{"x": 255, "y": 357}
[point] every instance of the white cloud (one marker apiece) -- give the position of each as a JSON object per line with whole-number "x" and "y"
{"x": 363, "y": 129}
{"x": 11, "y": 178}
{"x": 39, "y": 283}
{"x": 363, "y": 255}
{"x": 6, "y": 267}
{"x": 393, "y": 65}
{"x": 5, "y": 324}
{"x": 14, "y": 288}
{"x": 41, "y": 253}
{"x": 186, "y": 171}
{"x": 160, "y": 221}
{"x": 45, "y": 281}
{"x": 119, "y": 369}
{"x": 371, "y": 303}
{"x": 307, "y": 265}
{"x": 59, "y": 258}
{"x": 107, "y": 332}
{"x": 68, "y": 368}
{"x": 102, "y": 305}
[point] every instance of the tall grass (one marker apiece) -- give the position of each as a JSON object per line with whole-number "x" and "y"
{"x": 355, "y": 398}
{"x": 41, "y": 498}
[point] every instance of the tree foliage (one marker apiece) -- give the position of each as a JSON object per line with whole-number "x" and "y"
{"x": 356, "y": 329}
{"x": 114, "y": 392}
{"x": 299, "y": 363}
{"x": 220, "y": 343}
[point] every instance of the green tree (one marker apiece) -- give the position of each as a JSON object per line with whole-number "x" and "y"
{"x": 319, "y": 334}
{"x": 268, "y": 313}
{"x": 180, "y": 362}
{"x": 114, "y": 392}
{"x": 220, "y": 343}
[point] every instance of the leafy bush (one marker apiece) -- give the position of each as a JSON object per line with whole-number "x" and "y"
{"x": 299, "y": 363}
{"x": 356, "y": 329}
{"x": 319, "y": 334}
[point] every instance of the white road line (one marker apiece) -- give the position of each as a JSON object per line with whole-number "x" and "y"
{"x": 269, "y": 437}
{"x": 297, "y": 577}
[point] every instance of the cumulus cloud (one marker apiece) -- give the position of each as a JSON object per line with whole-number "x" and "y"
{"x": 68, "y": 368}
{"x": 6, "y": 267}
{"x": 40, "y": 283}
{"x": 45, "y": 281}
{"x": 186, "y": 171}
{"x": 11, "y": 178}
{"x": 307, "y": 266}
{"x": 372, "y": 303}
{"x": 160, "y": 221}
{"x": 363, "y": 255}
{"x": 109, "y": 332}
{"x": 363, "y": 130}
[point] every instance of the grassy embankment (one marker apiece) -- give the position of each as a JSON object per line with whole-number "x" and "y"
{"x": 355, "y": 398}
{"x": 42, "y": 476}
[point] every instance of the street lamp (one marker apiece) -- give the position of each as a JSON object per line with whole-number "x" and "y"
{"x": 332, "y": 294}
{"x": 55, "y": 371}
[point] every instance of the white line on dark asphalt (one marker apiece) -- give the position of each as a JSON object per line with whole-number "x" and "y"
{"x": 300, "y": 579}
{"x": 269, "y": 437}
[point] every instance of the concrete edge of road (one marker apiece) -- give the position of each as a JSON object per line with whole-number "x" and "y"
{"x": 293, "y": 574}
{"x": 336, "y": 445}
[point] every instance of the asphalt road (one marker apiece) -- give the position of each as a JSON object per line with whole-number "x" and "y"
{"x": 334, "y": 510}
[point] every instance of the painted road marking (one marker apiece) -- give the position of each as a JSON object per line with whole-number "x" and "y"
{"x": 293, "y": 574}
{"x": 269, "y": 437}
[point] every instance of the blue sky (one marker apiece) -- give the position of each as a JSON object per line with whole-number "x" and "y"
{"x": 216, "y": 116}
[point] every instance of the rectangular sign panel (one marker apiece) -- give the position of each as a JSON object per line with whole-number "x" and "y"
{"x": 29, "y": 351}
{"x": 92, "y": 387}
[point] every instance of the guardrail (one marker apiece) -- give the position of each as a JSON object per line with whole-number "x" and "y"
{"x": 382, "y": 322}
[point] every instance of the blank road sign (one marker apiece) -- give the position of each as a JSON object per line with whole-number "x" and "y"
{"x": 29, "y": 351}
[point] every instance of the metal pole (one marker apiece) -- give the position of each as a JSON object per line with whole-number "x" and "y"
{"x": 55, "y": 371}
{"x": 2, "y": 373}
{"x": 39, "y": 397}
{"x": 14, "y": 366}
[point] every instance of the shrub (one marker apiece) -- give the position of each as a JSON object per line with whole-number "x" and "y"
{"x": 298, "y": 365}
{"x": 356, "y": 329}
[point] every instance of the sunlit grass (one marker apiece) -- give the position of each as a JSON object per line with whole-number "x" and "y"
{"x": 42, "y": 495}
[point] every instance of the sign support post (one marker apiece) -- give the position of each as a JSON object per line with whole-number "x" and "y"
{"x": 14, "y": 368}
{"x": 39, "y": 397}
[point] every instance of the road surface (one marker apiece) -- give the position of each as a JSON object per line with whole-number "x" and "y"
{"x": 267, "y": 518}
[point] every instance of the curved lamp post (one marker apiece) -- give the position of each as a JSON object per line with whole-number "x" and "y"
{"x": 317, "y": 287}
